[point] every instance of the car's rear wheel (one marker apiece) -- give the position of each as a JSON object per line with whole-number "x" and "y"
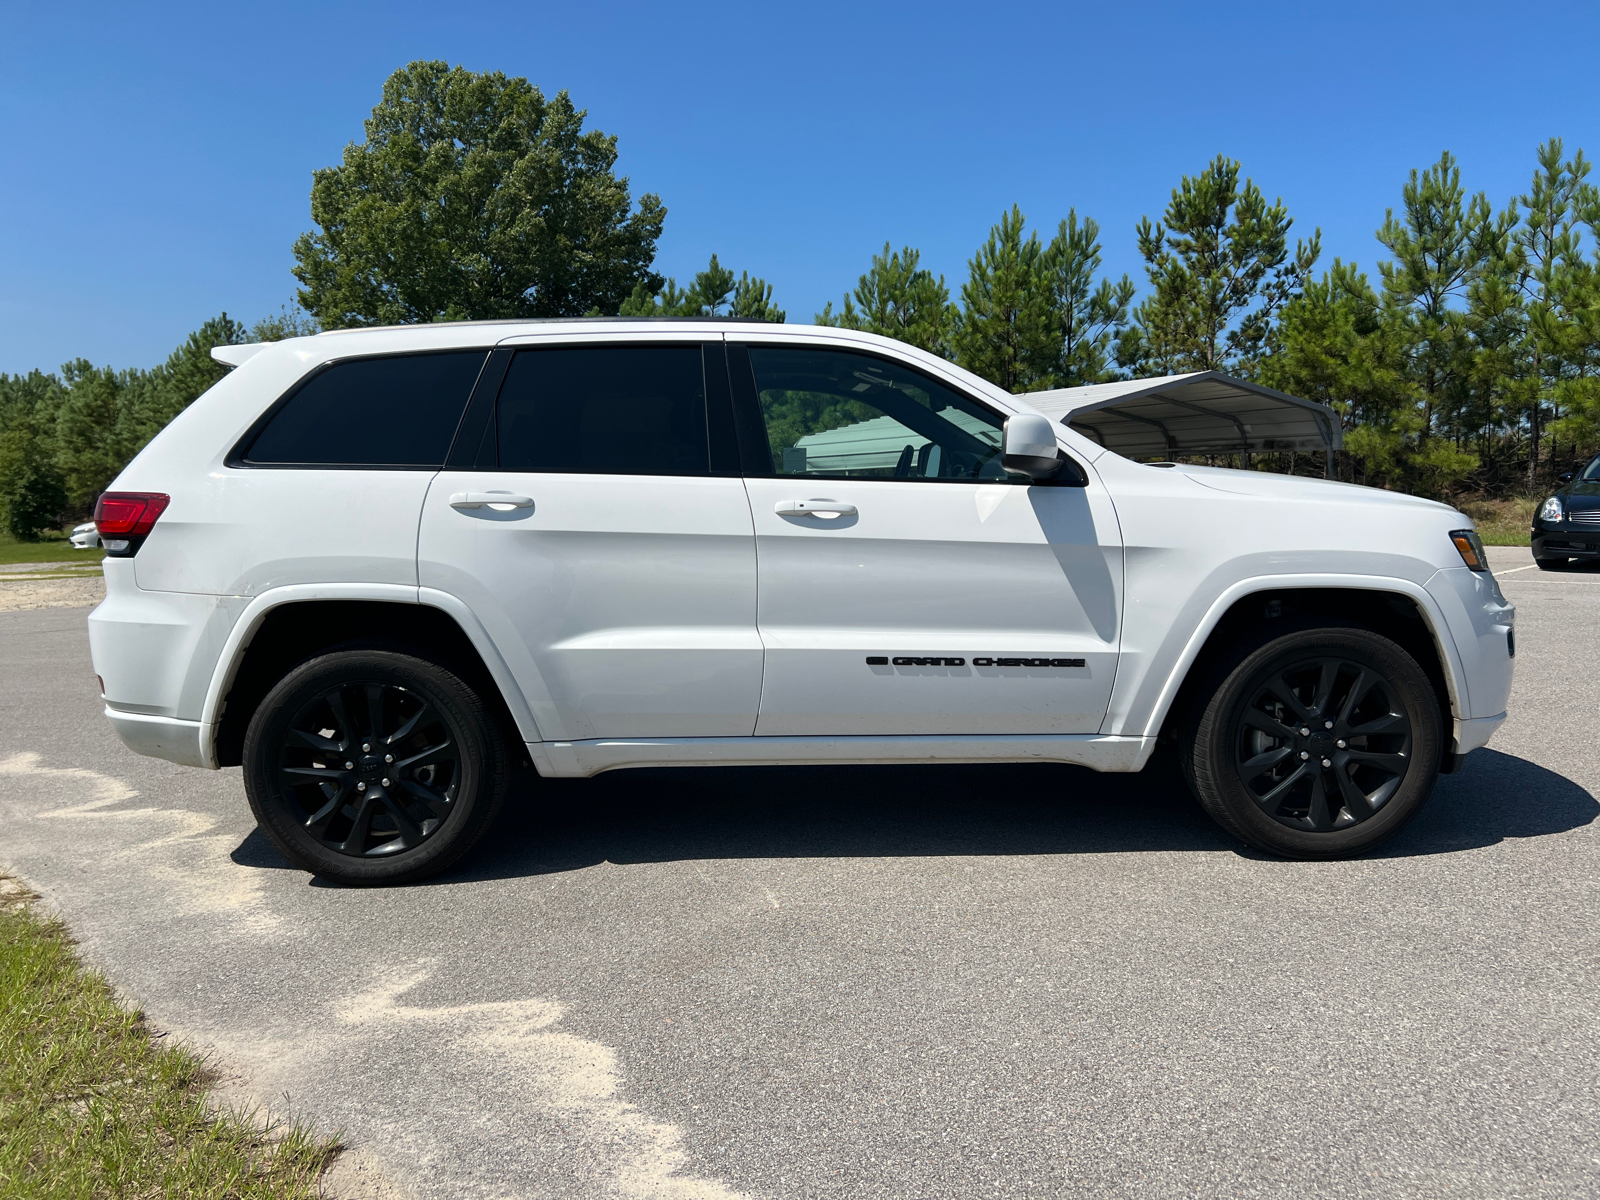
{"x": 1321, "y": 743}
{"x": 371, "y": 766}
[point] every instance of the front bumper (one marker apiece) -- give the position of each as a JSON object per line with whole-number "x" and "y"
{"x": 1565, "y": 540}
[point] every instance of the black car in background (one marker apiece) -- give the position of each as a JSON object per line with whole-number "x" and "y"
{"x": 1567, "y": 525}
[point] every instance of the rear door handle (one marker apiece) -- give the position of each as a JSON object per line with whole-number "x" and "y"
{"x": 808, "y": 508}
{"x": 503, "y": 501}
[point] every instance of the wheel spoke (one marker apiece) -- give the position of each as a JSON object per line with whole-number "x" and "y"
{"x": 1280, "y": 688}
{"x": 317, "y": 822}
{"x": 409, "y": 725}
{"x": 431, "y": 754}
{"x": 410, "y": 831}
{"x": 1357, "y": 690}
{"x": 317, "y": 742}
{"x": 335, "y": 700}
{"x": 355, "y": 841}
{"x": 1250, "y": 768}
{"x": 1318, "y": 813}
{"x": 1355, "y": 800}
{"x": 437, "y": 801}
{"x": 1324, "y": 692}
{"x": 314, "y": 772}
{"x": 1270, "y": 800}
{"x": 1257, "y": 719}
{"x": 375, "y": 711}
{"x": 1394, "y": 763}
{"x": 1383, "y": 724}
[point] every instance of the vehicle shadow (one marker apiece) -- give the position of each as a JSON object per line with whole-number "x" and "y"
{"x": 643, "y": 816}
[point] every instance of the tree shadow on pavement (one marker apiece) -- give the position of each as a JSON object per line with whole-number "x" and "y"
{"x": 661, "y": 815}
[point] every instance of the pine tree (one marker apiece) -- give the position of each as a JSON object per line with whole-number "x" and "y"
{"x": 898, "y": 298}
{"x": 1220, "y": 272}
{"x": 708, "y": 294}
{"x": 1005, "y": 331}
{"x": 1086, "y": 316}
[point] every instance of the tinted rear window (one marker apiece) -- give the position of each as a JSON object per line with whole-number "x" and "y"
{"x": 605, "y": 410}
{"x": 399, "y": 411}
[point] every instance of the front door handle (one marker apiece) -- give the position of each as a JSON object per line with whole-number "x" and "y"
{"x": 500, "y": 501}
{"x": 810, "y": 508}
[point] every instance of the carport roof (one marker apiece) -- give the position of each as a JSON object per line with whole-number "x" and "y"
{"x": 1204, "y": 412}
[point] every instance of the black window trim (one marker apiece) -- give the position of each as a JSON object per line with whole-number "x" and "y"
{"x": 237, "y": 459}
{"x": 753, "y": 441}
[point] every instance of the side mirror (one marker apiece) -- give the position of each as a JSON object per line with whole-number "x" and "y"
{"x": 1028, "y": 447}
{"x": 1567, "y": 478}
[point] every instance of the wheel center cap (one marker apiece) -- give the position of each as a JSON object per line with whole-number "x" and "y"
{"x": 1321, "y": 743}
{"x": 370, "y": 767}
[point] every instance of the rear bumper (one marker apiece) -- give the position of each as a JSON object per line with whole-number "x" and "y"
{"x": 186, "y": 743}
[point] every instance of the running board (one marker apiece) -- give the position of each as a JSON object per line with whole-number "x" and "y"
{"x": 583, "y": 758}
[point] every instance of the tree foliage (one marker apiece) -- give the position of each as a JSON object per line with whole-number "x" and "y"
{"x": 898, "y": 298}
{"x": 713, "y": 292}
{"x": 1220, "y": 272}
{"x": 473, "y": 197}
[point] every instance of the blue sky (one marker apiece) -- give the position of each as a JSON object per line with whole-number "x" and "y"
{"x": 157, "y": 159}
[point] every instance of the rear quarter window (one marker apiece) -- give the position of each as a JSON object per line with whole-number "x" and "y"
{"x": 396, "y": 411}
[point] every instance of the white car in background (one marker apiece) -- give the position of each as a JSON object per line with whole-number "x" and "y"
{"x": 85, "y": 536}
{"x": 375, "y": 567}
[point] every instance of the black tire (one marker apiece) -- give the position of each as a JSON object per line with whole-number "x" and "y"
{"x": 371, "y": 766}
{"x": 1550, "y": 564}
{"x": 1354, "y": 765}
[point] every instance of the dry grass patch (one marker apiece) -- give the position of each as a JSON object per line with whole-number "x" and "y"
{"x": 1502, "y": 522}
{"x": 93, "y": 1105}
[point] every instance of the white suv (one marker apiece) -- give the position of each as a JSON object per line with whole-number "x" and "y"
{"x": 377, "y": 567}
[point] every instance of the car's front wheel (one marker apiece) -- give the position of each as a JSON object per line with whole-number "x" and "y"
{"x": 1550, "y": 564}
{"x": 1321, "y": 743}
{"x": 371, "y": 766}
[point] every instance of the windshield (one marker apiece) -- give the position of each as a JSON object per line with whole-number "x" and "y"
{"x": 1592, "y": 471}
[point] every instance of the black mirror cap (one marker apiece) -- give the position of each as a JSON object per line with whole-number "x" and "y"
{"x": 1567, "y": 478}
{"x": 1063, "y": 470}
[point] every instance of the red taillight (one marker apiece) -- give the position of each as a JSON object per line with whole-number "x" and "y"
{"x": 128, "y": 514}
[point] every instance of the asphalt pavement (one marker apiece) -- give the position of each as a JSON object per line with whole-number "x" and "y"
{"x": 950, "y": 982}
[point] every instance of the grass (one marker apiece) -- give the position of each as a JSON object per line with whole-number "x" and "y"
{"x": 53, "y": 547}
{"x": 93, "y": 1105}
{"x": 1502, "y": 522}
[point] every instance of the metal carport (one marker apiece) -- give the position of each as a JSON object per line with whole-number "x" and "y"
{"x": 1204, "y": 412}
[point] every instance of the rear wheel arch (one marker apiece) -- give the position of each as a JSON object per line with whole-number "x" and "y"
{"x": 291, "y": 633}
{"x": 1250, "y": 620}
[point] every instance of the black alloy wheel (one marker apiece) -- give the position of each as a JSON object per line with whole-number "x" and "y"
{"x": 1321, "y": 743}
{"x": 372, "y": 766}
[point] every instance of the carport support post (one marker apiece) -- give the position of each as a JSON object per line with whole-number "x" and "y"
{"x": 1327, "y": 467}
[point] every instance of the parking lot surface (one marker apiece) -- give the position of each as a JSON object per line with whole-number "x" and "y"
{"x": 950, "y": 982}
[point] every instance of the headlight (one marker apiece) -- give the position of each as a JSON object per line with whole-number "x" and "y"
{"x": 1550, "y": 510}
{"x": 1470, "y": 546}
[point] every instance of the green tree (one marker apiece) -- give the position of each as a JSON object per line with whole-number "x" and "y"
{"x": 32, "y": 494}
{"x": 1086, "y": 317}
{"x": 1551, "y": 276}
{"x": 1006, "y": 331}
{"x": 709, "y": 293}
{"x": 106, "y": 417}
{"x": 898, "y": 298}
{"x": 473, "y": 197}
{"x": 1440, "y": 246}
{"x": 283, "y": 324}
{"x": 1220, "y": 272}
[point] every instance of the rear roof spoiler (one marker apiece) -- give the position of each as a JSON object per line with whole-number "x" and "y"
{"x": 236, "y": 356}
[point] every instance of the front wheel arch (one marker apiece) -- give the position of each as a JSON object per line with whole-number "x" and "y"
{"x": 1249, "y": 620}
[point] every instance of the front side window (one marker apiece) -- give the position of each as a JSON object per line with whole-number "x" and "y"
{"x": 605, "y": 410}
{"x": 838, "y": 413}
{"x": 1592, "y": 471}
{"x": 397, "y": 411}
